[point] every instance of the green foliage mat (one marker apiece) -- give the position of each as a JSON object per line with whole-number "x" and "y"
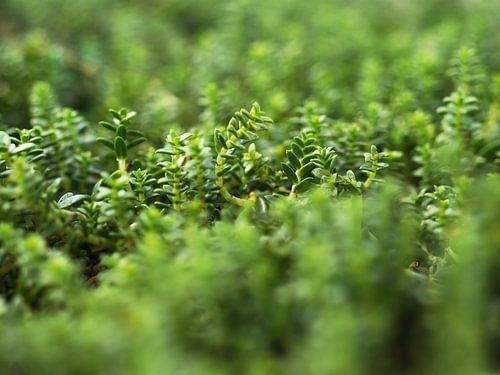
{"x": 349, "y": 224}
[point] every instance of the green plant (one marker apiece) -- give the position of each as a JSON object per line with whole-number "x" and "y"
{"x": 237, "y": 158}
{"x": 352, "y": 228}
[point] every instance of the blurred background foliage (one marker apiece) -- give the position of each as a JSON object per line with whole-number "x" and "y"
{"x": 161, "y": 56}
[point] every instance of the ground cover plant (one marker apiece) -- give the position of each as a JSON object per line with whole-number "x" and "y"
{"x": 258, "y": 187}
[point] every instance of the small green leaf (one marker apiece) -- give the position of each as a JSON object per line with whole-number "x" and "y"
{"x": 219, "y": 141}
{"x": 106, "y": 142}
{"x": 309, "y": 149}
{"x": 262, "y": 206}
{"x": 299, "y": 141}
{"x": 4, "y": 140}
{"x": 185, "y": 136}
{"x": 135, "y": 142}
{"x": 229, "y": 156}
{"x": 310, "y": 141}
{"x": 120, "y": 148}
{"x": 34, "y": 159}
{"x": 308, "y": 158}
{"x": 108, "y": 125}
{"x": 121, "y": 131}
{"x": 306, "y": 170}
{"x": 135, "y": 133}
{"x": 294, "y": 160}
{"x": 164, "y": 151}
{"x": 332, "y": 163}
{"x": 23, "y": 147}
{"x": 304, "y": 185}
{"x": 115, "y": 114}
{"x": 69, "y": 199}
{"x": 289, "y": 173}
{"x": 297, "y": 150}
{"x": 130, "y": 115}
{"x": 237, "y": 145}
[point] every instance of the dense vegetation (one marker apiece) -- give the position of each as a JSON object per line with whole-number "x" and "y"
{"x": 349, "y": 224}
